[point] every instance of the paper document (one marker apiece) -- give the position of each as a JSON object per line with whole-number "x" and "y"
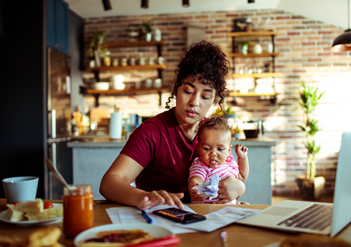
{"x": 120, "y": 215}
{"x": 220, "y": 218}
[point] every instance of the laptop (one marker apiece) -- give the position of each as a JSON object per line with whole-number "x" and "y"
{"x": 294, "y": 216}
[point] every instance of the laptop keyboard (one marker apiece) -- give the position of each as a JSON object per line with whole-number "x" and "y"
{"x": 315, "y": 217}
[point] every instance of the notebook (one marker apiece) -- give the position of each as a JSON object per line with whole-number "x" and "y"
{"x": 293, "y": 216}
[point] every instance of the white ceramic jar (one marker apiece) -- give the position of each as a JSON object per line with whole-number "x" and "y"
{"x": 257, "y": 49}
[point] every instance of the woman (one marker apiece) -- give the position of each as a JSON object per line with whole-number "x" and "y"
{"x": 159, "y": 152}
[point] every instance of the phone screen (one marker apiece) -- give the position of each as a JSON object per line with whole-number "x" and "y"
{"x": 179, "y": 215}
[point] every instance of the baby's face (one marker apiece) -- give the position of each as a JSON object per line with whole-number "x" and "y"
{"x": 214, "y": 147}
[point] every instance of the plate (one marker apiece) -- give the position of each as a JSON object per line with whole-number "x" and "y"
{"x": 3, "y": 218}
{"x": 154, "y": 230}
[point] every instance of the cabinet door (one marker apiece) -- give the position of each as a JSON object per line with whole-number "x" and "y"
{"x": 62, "y": 25}
{"x": 50, "y": 23}
{"x": 57, "y": 25}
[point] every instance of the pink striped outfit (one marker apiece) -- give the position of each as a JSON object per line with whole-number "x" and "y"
{"x": 200, "y": 169}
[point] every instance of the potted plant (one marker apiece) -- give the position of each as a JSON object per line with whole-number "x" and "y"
{"x": 311, "y": 187}
{"x": 243, "y": 46}
{"x": 147, "y": 25}
{"x": 97, "y": 47}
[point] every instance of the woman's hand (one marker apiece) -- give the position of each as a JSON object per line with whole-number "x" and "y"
{"x": 229, "y": 189}
{"x": 195, "y": 196}
{"x": 160, "y": 197}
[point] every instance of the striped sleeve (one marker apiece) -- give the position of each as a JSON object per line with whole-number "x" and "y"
{"x": 198, "y": 168}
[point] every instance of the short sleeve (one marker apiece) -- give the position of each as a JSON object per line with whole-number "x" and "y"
{"x": 142, "y": 143}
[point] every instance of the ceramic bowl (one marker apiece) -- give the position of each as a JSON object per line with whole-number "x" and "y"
{"x": 101, "y": 85}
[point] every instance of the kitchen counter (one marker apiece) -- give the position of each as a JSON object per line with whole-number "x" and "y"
{"x": 92, "y": 156}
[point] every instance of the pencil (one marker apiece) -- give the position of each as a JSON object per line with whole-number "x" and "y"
{"x": 146, "y": 216}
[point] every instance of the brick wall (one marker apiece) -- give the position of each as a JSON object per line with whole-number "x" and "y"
{"x": 303, "y": 45}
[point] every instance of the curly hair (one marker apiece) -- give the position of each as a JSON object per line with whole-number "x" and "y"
{"x": 217, "y": 122}
{"x": 208, "y": 60}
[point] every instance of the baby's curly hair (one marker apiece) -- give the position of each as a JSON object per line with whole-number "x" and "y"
{"x": 217, "y": 122}
{"x": 208, "y": 60}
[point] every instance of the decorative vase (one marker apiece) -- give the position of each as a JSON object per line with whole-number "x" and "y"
{"x": 148, "y": 36}
{"x": 157, "y": 36}
{"x": 257, "y": 49}
{"x": 310, "y": 188}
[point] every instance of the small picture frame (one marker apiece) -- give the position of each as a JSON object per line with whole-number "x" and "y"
{"x": 240, "y": 25}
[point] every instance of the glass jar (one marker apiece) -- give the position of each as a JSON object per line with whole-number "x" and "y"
{"x": 78, "y": 210}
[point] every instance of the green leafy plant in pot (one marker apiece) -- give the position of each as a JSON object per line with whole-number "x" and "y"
{"x": 311, "y": 187}
{"x": 98, "y": 45}
{"x": 243, "y": 46}
{"x": 147, "y": 26}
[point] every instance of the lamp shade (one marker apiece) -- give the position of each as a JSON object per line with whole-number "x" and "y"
{"x": 186, "y": 3}
{"x": 144, "y": 4}
{"x": 107, "y": 4}
{"x": 342, "y": 42}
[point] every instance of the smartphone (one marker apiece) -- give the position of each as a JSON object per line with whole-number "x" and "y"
{"x": 179, "y": 215}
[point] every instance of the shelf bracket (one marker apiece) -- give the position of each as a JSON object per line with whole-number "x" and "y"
{"x": 96, "y": 74}
{"x": 159, "y": 50}
{"x": 159, "y": 73}
{"x": 96, "y": 96}
{"x": 159, "y": 98}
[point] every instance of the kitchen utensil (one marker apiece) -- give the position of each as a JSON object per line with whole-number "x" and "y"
{"x": 58, "y": 175}
{"x": 253, "y": 128}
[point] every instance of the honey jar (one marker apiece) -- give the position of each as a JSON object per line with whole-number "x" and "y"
{"x": 78, "y": 209}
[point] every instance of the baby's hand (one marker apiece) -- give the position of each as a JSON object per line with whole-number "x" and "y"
{"x": 195, "y": 196}
{"x": 241, "y": 150}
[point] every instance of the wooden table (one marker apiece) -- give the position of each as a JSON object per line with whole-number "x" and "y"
{"x": 238, "y": 235}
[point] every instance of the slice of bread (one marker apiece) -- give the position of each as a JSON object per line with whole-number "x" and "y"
{"x": 47, "y": 236}
{"x": 46, "y": 214}
{"x": 35, "y": 206}
{"x": 13, "y": 214}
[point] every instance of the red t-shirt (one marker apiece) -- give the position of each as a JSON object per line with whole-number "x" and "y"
{"x": 160, "y": 146}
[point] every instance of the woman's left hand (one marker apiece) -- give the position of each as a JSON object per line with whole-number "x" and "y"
{"x": 229, "y": 189}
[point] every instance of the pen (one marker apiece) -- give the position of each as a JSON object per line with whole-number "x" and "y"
{"x": 146, "y": 216}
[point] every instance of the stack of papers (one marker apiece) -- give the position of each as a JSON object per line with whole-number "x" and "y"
{"x": 215, "y": 220}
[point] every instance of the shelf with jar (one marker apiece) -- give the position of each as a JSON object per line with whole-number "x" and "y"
{"x": 240, "y": 50}
{"x": 123, "y": 64}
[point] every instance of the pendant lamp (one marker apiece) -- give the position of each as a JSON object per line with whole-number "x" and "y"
{"x": 343, "y": 41}
{"x": 144, "y": 4}
{"x": 107, "y": 4}
{"x": 186, "y": 3}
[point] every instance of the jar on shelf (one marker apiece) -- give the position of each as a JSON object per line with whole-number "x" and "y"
{"x": 78, "y": 210}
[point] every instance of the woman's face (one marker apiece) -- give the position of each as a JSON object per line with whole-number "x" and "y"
{"x": 193, "y": 100}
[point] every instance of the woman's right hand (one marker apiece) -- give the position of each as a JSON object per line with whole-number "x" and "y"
{"x": 160, "y": 197}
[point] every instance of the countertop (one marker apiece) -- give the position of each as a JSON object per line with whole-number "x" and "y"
{"x": 106, "y": 142}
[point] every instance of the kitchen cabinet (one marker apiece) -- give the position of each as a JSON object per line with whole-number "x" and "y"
{"x": 57, "y": 25}
{"x": 97, "y": 70}
{"x": 251, "y": 74}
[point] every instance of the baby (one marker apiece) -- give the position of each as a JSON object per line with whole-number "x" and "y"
{"x": 214, "y": 148}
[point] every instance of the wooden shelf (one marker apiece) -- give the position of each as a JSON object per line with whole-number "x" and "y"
{"x": 126, "y": 91}
{"x": 263, "y": 54}
{"x": 97, "y": 70}
{"x": 128, "y": 67}
{"x": 252, "y": 34}
{"x": 251, "y": 94}
{"x": 260, "y": 75}
{"x": 134, "y": 43}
